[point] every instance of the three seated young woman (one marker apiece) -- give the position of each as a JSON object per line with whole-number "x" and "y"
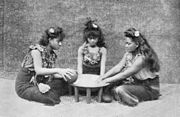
{"x": 134, "y": 79}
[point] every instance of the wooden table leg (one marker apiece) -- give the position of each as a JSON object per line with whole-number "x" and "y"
{"x": 70, "y": 89}
{"x": 88, "y": 95}
{"x": 76, "y": 91}
{"x": 100, "y": 94}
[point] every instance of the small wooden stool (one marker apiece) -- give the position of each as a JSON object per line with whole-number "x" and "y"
{"x": 88, "y": 94}
{"x": 88, "y": 82}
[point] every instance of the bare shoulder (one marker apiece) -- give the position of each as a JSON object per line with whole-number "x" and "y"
{"x": 140, "y": 60}
{"x": 103, "y": 50}
{"x": 125, "y": 56}
{"x": 80, "y": 49}
{"x": 35, "y": 52}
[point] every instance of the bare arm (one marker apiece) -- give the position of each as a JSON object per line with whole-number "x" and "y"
{"x": 116, "y": 68}
{"x": 38, "y": 64}
{"x": 137, "y": 65}
{"x": 103, "y": 60}
{"x": 47, "y": 71}
{"x": 79, "y": 60}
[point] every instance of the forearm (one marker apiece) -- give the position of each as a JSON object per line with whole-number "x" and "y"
{"x": 103, "y": 61}
{"x": 57, "y": 76}
{"x": 122, "y": 75}
{"x": 106, "y": 75}
{"x": 37, "y": 61}
{"x": 80, "y": 70}
{"x": 46, "y": 71}
{"x": 80, "y": 61}
{"x": 79, "y": 66}
{"x": 102, "y": 72}
{"x": 110, "y": 73}
{"x": 135, "y": 68}
{"x": 116, "y": 69}
{"x": 116, "y": 77}
{"x": 102, "y": 69}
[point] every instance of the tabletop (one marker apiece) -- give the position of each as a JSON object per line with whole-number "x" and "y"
{"x": 88, "y": 81}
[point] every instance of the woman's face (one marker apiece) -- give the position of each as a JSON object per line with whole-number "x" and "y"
{"x": 55, "y": 43}
{"x": 92, "y": 41}
{"x": 130, "y": 45}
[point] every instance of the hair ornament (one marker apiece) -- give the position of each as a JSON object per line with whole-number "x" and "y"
{"x": 94, "y": 25}
{"x": 51, "y": 30}
{"x": 136, "y": 33}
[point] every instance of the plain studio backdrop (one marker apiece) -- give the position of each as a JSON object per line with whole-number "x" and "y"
{"x": 23, "y": 21}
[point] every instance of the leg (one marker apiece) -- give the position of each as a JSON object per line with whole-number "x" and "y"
{"x": 28, "y": 91}
{"x": 107, "y": 96}
{"x": 59, "y": 86}
{"x": 122, "y": 94}
{"x": 132, "y": 94}
{"x": 88, "y": 95}
{"x": 33, "y": 94}
{"x": 100, "y": 94}
{"x": 76, "y": 94}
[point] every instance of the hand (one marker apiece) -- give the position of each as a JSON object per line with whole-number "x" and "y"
{"x": 57, "y": 76}
{"x": 102, "y": 77}
{"x": 66, "y": 73}
{"x": 107, "y": 80}
{"x": 99, "y": 80}
{"x": 33, "y": 80}
{"x": 43, "y": 88}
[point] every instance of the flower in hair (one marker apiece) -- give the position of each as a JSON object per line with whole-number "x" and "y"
{"x": 51, "y": 30}
{"x": 136, "y": 33}
{"x": 94, "y": 25}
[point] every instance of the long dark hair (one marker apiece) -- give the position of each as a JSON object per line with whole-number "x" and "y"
{"x": 144, "y": 48}
{"x": 51, "y": 33}
{"x": 93, "y": 30}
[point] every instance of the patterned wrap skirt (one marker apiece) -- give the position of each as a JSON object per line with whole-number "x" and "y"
{"x": 141, "y": 90}
{"x": 27, "y": 90}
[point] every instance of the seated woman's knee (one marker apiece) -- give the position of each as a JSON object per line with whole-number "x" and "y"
{"x": 120, "y": 89}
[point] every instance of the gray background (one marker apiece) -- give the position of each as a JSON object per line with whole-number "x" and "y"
{"x": 23, "y": 21}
